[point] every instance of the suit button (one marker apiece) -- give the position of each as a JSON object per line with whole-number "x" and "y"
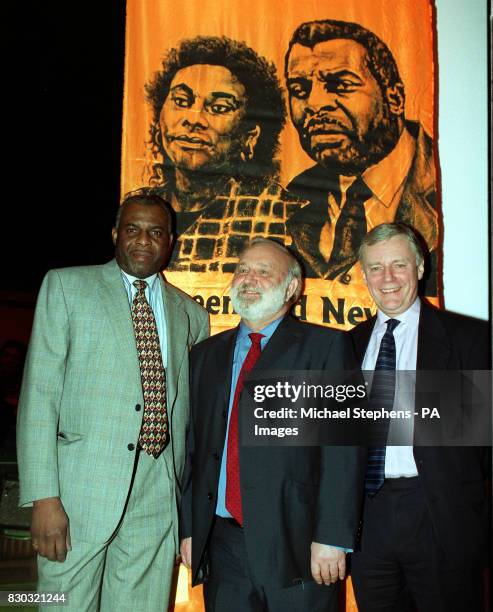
{"x": 138, "y": 407}
{"x": 345, "y": 279}
{"x": 225, "y": 414}
{"x": 131, "y": 446}
{"x": 216, "y": 456}
{"x": 209, "y": 496}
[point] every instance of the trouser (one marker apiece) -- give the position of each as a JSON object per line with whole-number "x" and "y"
{"x": 400, "y": 562}
{"x": 233, "y": 587}
{"x": 133, "y": 570}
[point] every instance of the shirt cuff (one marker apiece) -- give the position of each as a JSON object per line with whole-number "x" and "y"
{"x": 346, "y": 550}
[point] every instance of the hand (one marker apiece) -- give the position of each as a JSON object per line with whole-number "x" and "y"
{"x": 50, "y": 529}
{"x": 186, "y": 552}
{"x": 328, "y": 564}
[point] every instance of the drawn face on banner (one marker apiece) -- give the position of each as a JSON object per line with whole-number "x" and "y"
{"x": 343, "y": 119}
{"x": 206, "y": 89}
{"x": 201, "y": 118}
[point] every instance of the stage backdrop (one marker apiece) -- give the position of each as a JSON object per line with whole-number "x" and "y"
{"x": 306, "y": 122}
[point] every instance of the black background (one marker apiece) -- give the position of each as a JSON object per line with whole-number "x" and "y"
{"x": 62, "y": 117}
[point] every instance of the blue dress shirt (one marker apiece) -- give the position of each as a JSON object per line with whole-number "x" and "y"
{"x": 242, "y": 346}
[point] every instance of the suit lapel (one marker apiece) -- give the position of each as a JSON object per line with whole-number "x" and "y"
{"x": 280, "y": 352}
{"x": 177, "y": 328}
{"x": 223, "y": 368}
{"x": 433, "y": 346}
{"x": 433, "y": 343}
{"x": 114, "y": 299}
{"x": 361, "y": 336}
{"x": 433, "y": 354}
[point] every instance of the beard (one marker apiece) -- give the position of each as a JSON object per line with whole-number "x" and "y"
{"x": 357, "y": 154}
{"x": 269, "y": 302}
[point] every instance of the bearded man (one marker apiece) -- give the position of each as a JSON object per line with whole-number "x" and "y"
{"x": 347, "y": 101}
{"x": 274, "y": 535}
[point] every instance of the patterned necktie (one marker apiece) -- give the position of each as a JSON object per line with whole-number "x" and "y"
{"x": 350, "y": 229}
{"x": 381, "y": 396}
{"x": 233, "y": 492}
{"x": 153, "y": 435}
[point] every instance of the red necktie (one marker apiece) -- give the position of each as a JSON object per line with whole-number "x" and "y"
{"x": 233, "y": 492}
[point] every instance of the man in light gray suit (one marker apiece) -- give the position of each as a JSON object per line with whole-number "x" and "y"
{"x": 104, "y": 506}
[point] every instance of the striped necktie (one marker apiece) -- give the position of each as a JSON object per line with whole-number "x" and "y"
{"x": 381, "y": 396}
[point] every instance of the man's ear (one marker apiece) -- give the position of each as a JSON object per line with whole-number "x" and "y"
{"x": 364, "y": 273}
{"x": 395, "y": 98}
{"x": 114, "y": 234}
{"x": 251, "y": 139}
{"x": 291, "y": 289}
{"x": 421, "y": 270}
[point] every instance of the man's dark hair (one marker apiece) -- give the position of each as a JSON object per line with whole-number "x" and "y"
{"x": 145, "y": 199}
{"x": 264, "y": 97}
{"x": 380, "y": 61}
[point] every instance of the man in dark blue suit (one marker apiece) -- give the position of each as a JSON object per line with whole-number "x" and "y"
{"x": 272, "y": 535}
{"x": 425, "y": 524}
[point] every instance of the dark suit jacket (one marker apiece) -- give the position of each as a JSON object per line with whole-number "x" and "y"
{"x": 291, "y": 496}
{"x": 454, "y": 479}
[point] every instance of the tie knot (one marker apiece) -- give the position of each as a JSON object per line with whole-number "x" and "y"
{"x": 256, "y": 338}
{"x": 391, "y": 325}
{"x": 358, "y": 191}
{"x": 140, "y": 285}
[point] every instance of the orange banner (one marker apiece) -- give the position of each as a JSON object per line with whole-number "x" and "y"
{"x": 301, "y": 121}
{"x": 307, "y": 122}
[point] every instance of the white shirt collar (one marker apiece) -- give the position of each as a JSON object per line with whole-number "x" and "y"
{"x": 385, "y": 178}
{"x": 150, "y": 280}
{"x": 408, "y": 317}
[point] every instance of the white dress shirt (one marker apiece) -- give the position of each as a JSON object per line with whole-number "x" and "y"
{"x": 399, "y": 460}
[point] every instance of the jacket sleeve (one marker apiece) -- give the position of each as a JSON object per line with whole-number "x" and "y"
{"x": 342, "y": 471}
{"x": 186, "y": 504}
{"x": 204, "y": 330}
{"x": 41, "y": 394}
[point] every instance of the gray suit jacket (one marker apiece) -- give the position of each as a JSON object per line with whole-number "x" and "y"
{"x": 81, "y": 384}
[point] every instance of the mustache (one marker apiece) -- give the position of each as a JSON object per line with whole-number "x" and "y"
{"x": 322, "y": 124}
{"x": 245, "y": 286}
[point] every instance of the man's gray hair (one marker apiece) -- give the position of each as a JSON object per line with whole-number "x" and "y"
{"x": 386, "y": 231}
{"x": 294, "y": 268}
